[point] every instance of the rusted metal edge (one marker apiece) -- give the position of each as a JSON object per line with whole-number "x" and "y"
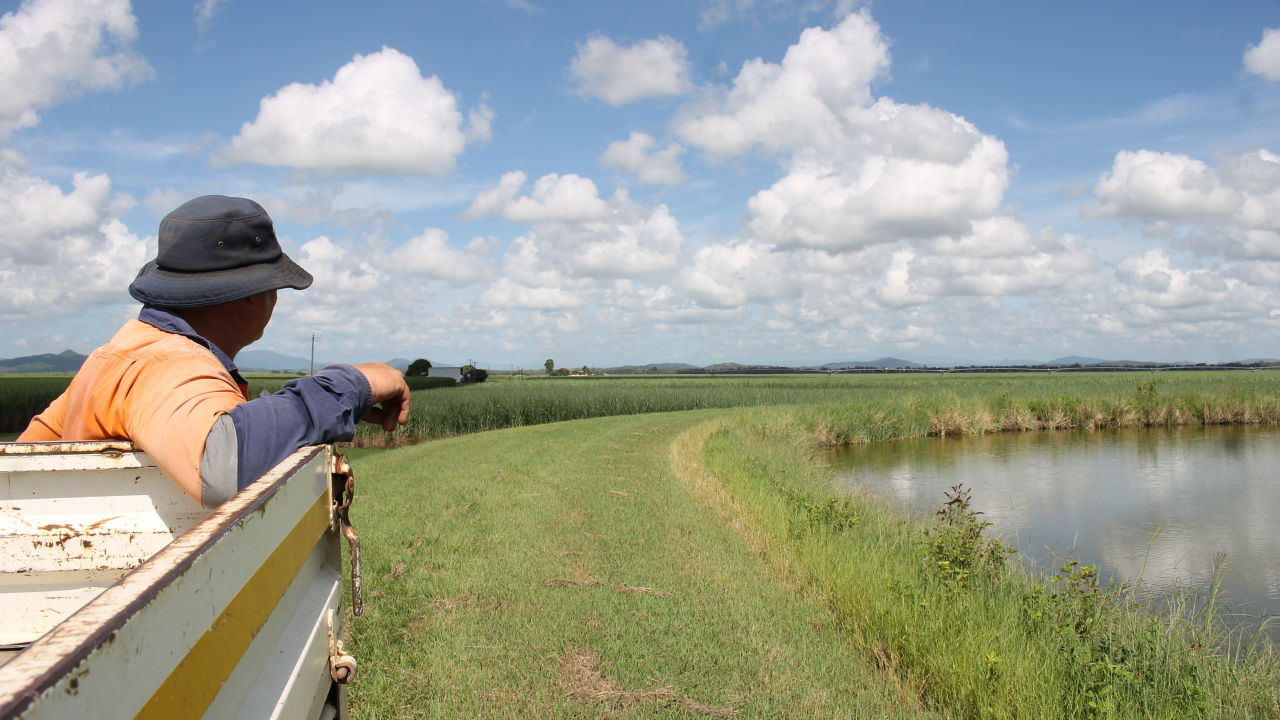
{"x": 59, "y": 651}
{"x": 63, "y": 448}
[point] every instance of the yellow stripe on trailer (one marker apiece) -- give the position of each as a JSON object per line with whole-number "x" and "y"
{"x": 192, "y": 686}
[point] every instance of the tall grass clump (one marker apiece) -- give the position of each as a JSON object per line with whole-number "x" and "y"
{"x": 941, "y": 604}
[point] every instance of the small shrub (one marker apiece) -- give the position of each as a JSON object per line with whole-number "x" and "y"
{"x": 956, "y": 549}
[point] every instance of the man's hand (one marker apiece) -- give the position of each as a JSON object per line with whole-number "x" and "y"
{"x": 390, "y": 392}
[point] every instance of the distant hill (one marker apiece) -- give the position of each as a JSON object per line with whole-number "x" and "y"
{"x": 1075, "y": 360}
{"x": 271, "y": 361}
{"x": 651, "y": 368}
{"x": 884, "y": 362}
{"x": 67, "y": 361}
{"x": 750, "y": 369}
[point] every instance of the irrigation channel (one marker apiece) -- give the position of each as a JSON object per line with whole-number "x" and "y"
{"x": 1164, "y": 509}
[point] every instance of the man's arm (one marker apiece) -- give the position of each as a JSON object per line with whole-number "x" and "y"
{"x": 256, "y": 435}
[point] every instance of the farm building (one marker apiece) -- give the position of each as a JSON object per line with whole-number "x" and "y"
{"x": 445, "y": 371}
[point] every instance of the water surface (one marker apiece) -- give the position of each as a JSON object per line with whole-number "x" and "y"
{"x": 1155, "y": 505}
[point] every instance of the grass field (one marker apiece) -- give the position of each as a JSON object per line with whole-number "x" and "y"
{"x": 1007, "y": 400}
{"x": 565, "y": 571}
{"x": 700, "y": 564}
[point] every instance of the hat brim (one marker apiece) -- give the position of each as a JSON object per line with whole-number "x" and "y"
{"x": 166, "y": 288}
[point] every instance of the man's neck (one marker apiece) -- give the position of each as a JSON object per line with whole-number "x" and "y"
{"x": 216, "y": 326}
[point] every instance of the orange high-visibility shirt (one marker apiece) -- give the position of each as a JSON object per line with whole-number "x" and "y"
{"x": 161, "y": 390}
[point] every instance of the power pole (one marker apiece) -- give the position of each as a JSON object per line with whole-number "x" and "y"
{"x": 313, "y": 354}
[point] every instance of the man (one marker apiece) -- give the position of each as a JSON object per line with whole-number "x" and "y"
{"x": 168, "y": 380}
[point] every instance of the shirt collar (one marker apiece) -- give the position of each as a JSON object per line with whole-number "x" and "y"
{"x": 169, "y": 322}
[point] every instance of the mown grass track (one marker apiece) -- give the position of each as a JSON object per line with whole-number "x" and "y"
{"x": 563, "y": 571}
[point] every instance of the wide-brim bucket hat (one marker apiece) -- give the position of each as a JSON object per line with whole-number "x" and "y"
{"x": 216, "y": 249}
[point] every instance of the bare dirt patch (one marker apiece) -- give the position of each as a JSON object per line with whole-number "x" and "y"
{"x": 619, "y": 493}
{"x": 582, "y": 680}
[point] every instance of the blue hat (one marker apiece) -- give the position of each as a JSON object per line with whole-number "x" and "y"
{"x": 215, "y": 249}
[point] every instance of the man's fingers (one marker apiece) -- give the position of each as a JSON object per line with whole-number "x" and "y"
{"x": 405, "y": 399}
{"x": 389, "y": 390}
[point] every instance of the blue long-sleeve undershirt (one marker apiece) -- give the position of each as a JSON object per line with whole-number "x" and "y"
{"x": 321, "y": 408}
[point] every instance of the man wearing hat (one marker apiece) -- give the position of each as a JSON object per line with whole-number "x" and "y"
{"x": 168, "y": 381}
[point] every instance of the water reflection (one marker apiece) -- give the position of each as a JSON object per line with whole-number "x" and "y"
{"x": 1159, "y": 505}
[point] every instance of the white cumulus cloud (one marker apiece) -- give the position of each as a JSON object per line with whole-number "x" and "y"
{"x": 51, "y": 50}
{"x": 1154, "y": 288}
{"x": 506, "y": 293}
{"x": 1159, "y": 185}
{"x": 798, "y": 103}
{"x": 727, "y": 275}
{"x": 639, "y": 155}
{"x": 834, "y": 205}
{"x": 61, "y": 252}
{"x": 554, "y": 198}
{"x": 859, "y": 170}
{"x": 577, "y": 243}
{"x": 429, "y": 255}
{"x": 377, "y": 115}
{"x": 1232, "y": 209}
{"x": 1263, "y": 59}
{"x": 616, "y": 74}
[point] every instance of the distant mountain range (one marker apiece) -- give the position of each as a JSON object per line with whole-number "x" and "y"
{"x": 884, "y": 362}
{"x": 272, "y": 361}
{"x": 69, "y": 361}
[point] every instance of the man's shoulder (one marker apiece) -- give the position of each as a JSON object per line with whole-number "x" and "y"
{"x": 139, "y": 341}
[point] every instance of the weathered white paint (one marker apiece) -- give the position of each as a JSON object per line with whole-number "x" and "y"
{"x": 73, "y": 523}
{"x": 108, "y": 659}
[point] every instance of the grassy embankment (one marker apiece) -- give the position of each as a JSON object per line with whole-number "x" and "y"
{"x": 967, "y": 630}
{"x": 576, "y": 569}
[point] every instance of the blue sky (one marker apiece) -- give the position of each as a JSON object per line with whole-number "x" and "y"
{"x": 605, "y": 183}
